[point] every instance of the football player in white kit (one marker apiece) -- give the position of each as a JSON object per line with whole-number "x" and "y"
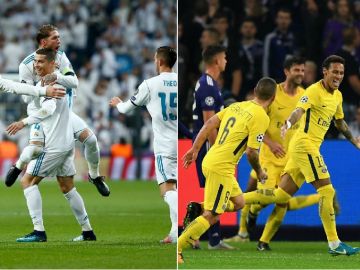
{"x": 48, "y": 37}
{"x": 57, "y": 158}
{"x": 159, "y": 95}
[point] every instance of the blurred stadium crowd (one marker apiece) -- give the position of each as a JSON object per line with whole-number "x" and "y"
{"x": 111, "y": 45}
{"x": 259, "y": 35}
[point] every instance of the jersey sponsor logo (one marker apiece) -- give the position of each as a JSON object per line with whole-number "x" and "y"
{"x": 260, "y": 137}
{"x": 323, "y": 122}
{"x": 209, "y": 101}
{"x": 304, "y": 99}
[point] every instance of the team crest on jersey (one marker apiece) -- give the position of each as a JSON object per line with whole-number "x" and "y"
{"x": 209, "y": 101}
{"x": 260, "y": 137}
{"x": 133, "y": 98}
{"x": 304, "y": 99}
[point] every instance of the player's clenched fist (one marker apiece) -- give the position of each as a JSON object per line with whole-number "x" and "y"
{"x": 13, "y": 128}
{"x": 115, "y": 101}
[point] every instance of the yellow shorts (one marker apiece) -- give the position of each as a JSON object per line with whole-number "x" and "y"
{"x": 218, "y": 190}
{"x": 306, "y": 166}
{"x": 274, "y": 173}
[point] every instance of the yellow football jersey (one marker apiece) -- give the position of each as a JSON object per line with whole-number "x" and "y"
{"x": 242, "y": 124}
{"x": 279, "y": 111}
{"x": 321, "y": 107}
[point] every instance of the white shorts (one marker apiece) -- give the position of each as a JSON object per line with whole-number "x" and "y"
{"x": 165, "y": 168}
{"x": 36, "y": 133}
{"x": 53, "y": 164}
{"x": 78, "y": 124}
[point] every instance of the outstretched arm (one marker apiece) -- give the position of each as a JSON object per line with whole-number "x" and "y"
{"x": 9, "y": 86}
{"x": 191, "y": 155}
{"x": 123, "y": 107}
{"x": 48, "y": 107}
{"x": 341, "y": 126}
{"x": 293, "y": 119}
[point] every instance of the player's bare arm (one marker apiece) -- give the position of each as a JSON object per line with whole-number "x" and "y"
{"x": 13, "y": 128}
{"x": 253, "y": 158}
{"x": 191, "y": 155}
{"x": 342, "y": 126}
{"x": 212, "y": 135}
{"x": 48, "y": 78}
{"x": 54, "y": 91}
{"x": 293, "y": 119}
{"x": 275, "y": 147}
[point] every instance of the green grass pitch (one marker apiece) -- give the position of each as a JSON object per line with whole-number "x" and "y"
{"x": 128, "y": 225}
{"x": 284, "y": 255}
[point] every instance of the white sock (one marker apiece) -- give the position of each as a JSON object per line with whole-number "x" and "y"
{"x": 334, "y": 244}
{"x": 78, "y": 208}
{"x": 92, "y": 155}
{"x": 171, "y": 198}
{"x": 29, "y": 153}
{"x": 34, "y": 204}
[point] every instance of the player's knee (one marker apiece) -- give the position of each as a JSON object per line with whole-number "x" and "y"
{"x": 36, "y": 150}
{"x": 209, "y": 216}
{"x": 86, "y": 136}
{"x": 66, "y": 186}
{"x": 281, "y": 196}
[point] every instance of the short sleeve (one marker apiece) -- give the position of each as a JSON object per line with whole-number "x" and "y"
{"x": 142, "y": 95}
{"x": 257, "y": 128}
{"x": 25, "y": 74}
{"x": 207, "y": 98}
{"x": 221, "y": 113}
{"x": 310, "y": 97}
{"x": 339, "y": 114}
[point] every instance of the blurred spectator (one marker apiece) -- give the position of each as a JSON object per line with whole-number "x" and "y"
{"x": 350, "y": 86}
{"x": 343, "y": 18}
{"x": 278, "y": 44}
{"x": 232, "y": 74}
{"x": 14, "y": 54}
{"x": 250, "y": 55}
{"x": 310, "y": 74}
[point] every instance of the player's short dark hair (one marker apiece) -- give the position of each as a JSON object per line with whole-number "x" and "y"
{"x": 49, "y": 53}
{"x": 168, "y": 54}
{"x": 332, "y": 59}
{"x": 293, "y": 60}
{"x": 265, "y": 88}
{"x": 211, "y": 51}
{"x": 44, "y": 32}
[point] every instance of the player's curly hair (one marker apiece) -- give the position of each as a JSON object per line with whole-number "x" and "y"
{"x": 44, "y": 32}
{"x": 168, "y": 54}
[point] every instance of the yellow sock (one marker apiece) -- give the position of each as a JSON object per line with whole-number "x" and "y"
{"x": 300, "y": 202}
{"x": 281, "y": 196}
{"x": 256, "y": 208}
{"x": 242, "y": 221}
{"x": 326, "y": 211}
{"x": 273, "y": 223}
{"x": 254, "y": 197}
{"x": 193, "y": 232}
{"x": 230, "y": 206}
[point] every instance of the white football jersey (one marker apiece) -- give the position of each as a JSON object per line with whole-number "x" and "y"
{"x": 27, "y": 72}
{"x": 57, "y": 128}
{"x": 28, "y": 75}
{"x": 159, "y": 95}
